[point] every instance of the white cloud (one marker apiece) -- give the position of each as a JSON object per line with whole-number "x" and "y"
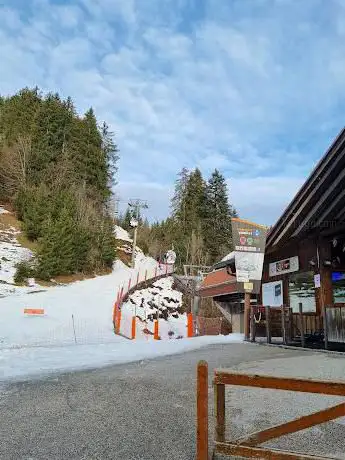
{"x": 256, "y": 92}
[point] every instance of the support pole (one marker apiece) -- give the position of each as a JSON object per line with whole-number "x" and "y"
{"x": 246, "y": 315}
{"x": 134, "y": 246}
{"x": 252, "y": 324}
{"x": 283, "y": 324}
{"x": 325, "y": 326}
{"x": 301, "y": 323}
{"x": 202, "y": 411}
{"x": 268, "y": 324}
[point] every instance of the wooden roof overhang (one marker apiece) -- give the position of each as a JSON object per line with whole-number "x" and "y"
{"x": 319, "y": 206}
{"x": 218, "y": 283}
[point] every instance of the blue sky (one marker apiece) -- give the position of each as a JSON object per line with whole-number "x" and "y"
{"x": 255, "y": 88}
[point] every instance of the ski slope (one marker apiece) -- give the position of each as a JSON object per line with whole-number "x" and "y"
{"x": 76, "y": 330}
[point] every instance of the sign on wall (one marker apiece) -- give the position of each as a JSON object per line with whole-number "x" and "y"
{"x": 272, "y": 294}
{"x": 249, "y": 241}
{"x": 284, "y": 266}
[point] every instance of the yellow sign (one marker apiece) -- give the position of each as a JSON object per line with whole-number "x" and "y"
{"x": 248, "y": 286}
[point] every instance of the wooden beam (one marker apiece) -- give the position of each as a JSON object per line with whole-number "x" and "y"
{"x": 268, "y": 324}
{"x": 280, "y": 383}
{"x": 246, "y": 315}
{"x": 202, "y": 411}
{"x": 299, "y": 424}
{"x": 226, "y": 448}
{"x": 219, "y": 404}
{"x": 337, "y": 181}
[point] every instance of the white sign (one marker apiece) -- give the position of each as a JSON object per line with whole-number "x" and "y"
{"x": 317, "y": 280}
{"x": 272, "y": 294}
{"x": 284, "y": 266}
{"x": 171, "y": 257}
{"x": 248, "y": 266}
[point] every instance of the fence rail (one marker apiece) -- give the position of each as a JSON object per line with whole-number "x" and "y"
{"x": 139, "y": 277}
{"x": 335, "y": 324}
{"x": 247, "y": 446}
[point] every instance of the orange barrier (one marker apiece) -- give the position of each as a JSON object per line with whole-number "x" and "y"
{"x": 133, "y": 327}
{"x": 33, "y": 311}
{"x": 114, "y": 313}
{"x": 155, "y": 330}
{"x": 190, "y": 332}
{"x": 118, "y": 321}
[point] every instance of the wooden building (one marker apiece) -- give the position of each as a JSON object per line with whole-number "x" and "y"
{"x": 305, "y": 255}
{"x": 305, "y": 249}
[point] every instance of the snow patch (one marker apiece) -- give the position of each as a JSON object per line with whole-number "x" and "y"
{"x": 21, "y": 363}
{"x": 160, "y": 300}
{"x": 3, "y": 210}
{"x": 122, "y": 234}
{"x": 11, "y": 252}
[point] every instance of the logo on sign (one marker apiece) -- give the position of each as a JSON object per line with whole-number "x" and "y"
{"x": 243, "y": 240}
{"x": 256, "y": 232}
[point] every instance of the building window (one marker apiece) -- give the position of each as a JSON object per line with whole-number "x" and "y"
{"x": 302, "y": 290}
{"x": 338, "y": 285}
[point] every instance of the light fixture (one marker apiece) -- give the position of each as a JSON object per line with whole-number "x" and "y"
{"x": 327, "y": 263}
{"x": 334, "y": 242}
{"x": 312, "y": 262}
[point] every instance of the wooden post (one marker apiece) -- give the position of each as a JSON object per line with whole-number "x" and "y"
{"x": 283, "y": 324}
{"x": 202, "y": 412}
{"x": 268, "y": 324}
{"x": 301, "y": 323}
{"x": 246, "y": 315}
{"x": 129, "y": 284}
{"x": 145, "y": 275}
{"x": 325, "y": 326}
{"x": 219, "y": 404}
{"x": 252, "y": 324}
{"x": 290, "y": 324}
{"x": 138, "y": 278}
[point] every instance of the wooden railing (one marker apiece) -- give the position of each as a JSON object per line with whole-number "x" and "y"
{"x": 247, "y": 446}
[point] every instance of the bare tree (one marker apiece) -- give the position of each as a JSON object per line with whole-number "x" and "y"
{"x": 14, "y": 165}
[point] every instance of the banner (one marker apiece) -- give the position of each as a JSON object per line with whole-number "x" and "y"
{"x": 249, "y": 241}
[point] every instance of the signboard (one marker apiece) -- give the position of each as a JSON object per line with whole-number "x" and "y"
{"x": 170, "y": 257}
{"x": 284, "y": 266}
{"x": 272, "y": 294}
{"x": 249, "y": 241}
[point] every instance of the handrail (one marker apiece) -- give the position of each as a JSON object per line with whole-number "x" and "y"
{"x": 247, "y": 446}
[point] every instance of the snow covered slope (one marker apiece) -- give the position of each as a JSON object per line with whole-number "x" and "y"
{"x": 145, "y": 304}
{"x": 11, "y": 252}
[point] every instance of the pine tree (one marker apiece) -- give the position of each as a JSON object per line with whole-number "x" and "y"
{"x": 62, "y": 194}
{"x": 217, "y": 223}
{"x": 127, "y": 219}
{"x": 178, "y": 200}
{"x": 110, "y": 153}
{"x": 193, "y": 202}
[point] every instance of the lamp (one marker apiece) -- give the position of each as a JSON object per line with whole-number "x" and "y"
{"x": 327, "y": 263}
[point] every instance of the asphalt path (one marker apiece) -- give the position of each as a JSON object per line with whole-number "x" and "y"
{"x": 143, "y": 410}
